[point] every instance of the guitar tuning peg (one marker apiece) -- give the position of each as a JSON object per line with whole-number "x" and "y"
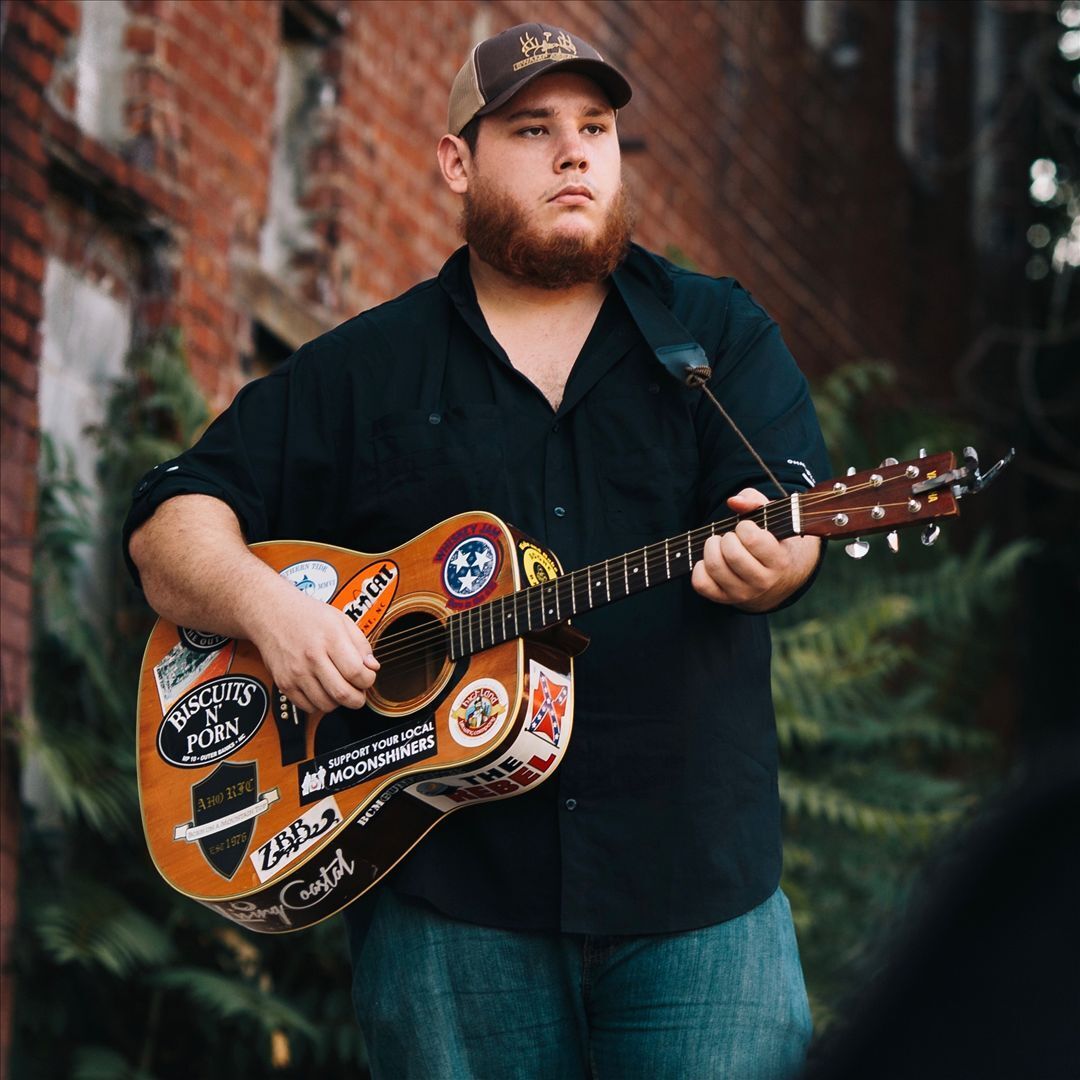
{"x": 850, "y": 470}
{"x": 922, "y": 451}
{"x": 930, "y": 534}
{"x": 889, "y": 461}
{"x": 857, "y": 549}
{"x": 893, "y": 540}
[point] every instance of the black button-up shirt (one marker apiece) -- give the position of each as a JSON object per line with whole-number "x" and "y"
{"x": 664, "y": 815}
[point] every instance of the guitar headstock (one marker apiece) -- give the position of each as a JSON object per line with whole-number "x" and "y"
{"x": 894, "y": 495}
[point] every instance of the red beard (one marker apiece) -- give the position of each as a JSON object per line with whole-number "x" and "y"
{"x": 496, "y": 229}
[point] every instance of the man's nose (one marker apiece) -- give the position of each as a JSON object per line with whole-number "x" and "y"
{"x": 572, "y": 154}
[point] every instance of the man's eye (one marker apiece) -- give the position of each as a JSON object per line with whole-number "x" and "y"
{"x": 595, "y": 129}
{"x": 531, "y": 131}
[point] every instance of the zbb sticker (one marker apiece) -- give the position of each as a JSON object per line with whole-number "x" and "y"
{"x": 478, "y": 712}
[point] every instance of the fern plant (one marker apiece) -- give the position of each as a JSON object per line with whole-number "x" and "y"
{"x": 120, "y": 977}
{"x": 875, "y": 673}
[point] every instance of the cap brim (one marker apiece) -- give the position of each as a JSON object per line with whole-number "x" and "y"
{"x": 604, "y": 75}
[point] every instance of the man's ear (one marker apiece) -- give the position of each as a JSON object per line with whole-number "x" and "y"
{"x": 455, "y": 161}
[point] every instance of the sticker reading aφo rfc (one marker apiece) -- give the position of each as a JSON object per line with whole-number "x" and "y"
{"x": 479, "y": 712}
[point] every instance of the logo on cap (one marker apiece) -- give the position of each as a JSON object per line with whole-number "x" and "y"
{"x": 535, "y": 51}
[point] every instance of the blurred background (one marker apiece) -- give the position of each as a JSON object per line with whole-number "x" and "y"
{"x": 193, "y": 189}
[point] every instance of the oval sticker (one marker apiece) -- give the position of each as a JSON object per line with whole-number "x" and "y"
{"x": 367, "y": 594}
{"x": 211, "y": 721}
{"x": 314, "y": 577}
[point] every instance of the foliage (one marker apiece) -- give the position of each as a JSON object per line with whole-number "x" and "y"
{"x": 878, "y": 676}
{"x": 875, "y": 675}
{"x": 119, "y": 977}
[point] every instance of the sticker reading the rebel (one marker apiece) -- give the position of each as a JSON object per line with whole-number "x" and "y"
{"x": 388, "y": 751}
{"x": 314, "y": 577}
{"x": 478, "y": 712}
{"x": 548, "y": 696}
{"x": 211, "y": 721}
{"x": 295, "y": 839}
{"x": 224, "y": 806}
{"x": 368, "y": 594}
{"x": 470, "y": 562}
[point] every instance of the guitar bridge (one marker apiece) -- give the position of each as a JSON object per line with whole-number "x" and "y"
{"x": 291, "y": 728}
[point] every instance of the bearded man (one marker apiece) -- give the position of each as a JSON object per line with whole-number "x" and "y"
{"x": 622, "y": 919}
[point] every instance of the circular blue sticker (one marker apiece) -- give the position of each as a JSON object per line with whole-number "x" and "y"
{"x": 469, "y": 567}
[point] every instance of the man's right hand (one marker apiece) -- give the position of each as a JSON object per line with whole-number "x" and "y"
{"x": 197, "y": 570}
{"x": 316, "y": 654}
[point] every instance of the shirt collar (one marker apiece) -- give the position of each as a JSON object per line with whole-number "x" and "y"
{"x": 457, "y": 282}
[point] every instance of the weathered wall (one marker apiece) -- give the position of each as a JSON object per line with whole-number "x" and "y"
{"x": 758, "y": 144}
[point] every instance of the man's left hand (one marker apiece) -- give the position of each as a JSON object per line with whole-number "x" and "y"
{"x": 749, "y": 567}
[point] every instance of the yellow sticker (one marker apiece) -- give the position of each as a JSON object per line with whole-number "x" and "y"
{"x": 538, "y": 565}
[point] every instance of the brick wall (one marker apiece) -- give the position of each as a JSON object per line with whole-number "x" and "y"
{"x": 749, "y": 152}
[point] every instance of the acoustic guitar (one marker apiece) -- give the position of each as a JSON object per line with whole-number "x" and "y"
{"x": 277, "y": 819}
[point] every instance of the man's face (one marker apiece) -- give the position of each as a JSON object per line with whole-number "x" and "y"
{"x": 553, "y": 151}
{"x": 544, "y": 201}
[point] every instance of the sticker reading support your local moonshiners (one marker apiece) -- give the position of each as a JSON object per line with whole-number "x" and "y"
{"x": 385, "y": 752}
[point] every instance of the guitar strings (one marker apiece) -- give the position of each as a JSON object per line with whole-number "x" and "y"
{"x": 649, "y": 558}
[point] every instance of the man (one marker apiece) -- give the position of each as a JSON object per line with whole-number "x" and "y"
{"x": 624, "y": 918}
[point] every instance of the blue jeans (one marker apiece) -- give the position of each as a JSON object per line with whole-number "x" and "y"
{"x": 444, "y": 1000}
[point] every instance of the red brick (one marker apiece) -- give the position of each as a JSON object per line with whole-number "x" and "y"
{"x": 43, "y": 32}
{"x": 66, "y": 14}
{"x": 26, "y": 257}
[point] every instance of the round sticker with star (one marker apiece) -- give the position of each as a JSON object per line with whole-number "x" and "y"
{"x": 470, "y": 567}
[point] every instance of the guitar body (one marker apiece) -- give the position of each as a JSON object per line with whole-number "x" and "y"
{"x": 277, "y": 819}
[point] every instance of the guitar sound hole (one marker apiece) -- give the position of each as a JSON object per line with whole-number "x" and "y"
{"x": 412, "y": 654}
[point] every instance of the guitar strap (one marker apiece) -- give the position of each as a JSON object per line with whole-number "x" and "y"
{"x": 676, "y": 349}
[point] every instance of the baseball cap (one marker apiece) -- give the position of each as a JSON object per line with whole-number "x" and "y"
{"x": 501, "y": 65}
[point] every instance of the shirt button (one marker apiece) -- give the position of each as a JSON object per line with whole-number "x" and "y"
{"x": 654, "y": 388}
{"x": 560, "y": 511}
{"x": 434, "y": 418}
{"x": 570, "y": 804}
{"x": 555, "y": 427}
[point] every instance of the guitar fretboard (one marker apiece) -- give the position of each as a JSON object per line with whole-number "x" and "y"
{"x": 579, "y": 591}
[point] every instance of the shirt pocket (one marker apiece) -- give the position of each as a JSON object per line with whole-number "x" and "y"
{"x": 431, "y": 464}
{"x": 650, "y": 493}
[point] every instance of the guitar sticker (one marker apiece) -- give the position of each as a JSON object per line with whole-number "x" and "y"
{"x": 313, "y": 577}
{"x": 211, "y": 721}
{"x": 549, "y": 693}
{"x": 478, "y": 712}
{"x": 537, "y": 565}
{"x": 295, "y": 838}
{"x": 200, "y": 640}
{"x": 368, "y": 593}
{"x": 470, "y": 564}
{"x": 183, "y": 665}
{"x": 350, "y": 765}
{"x": 224, "y": 806}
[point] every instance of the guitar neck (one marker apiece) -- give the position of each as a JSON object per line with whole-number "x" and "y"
{"x": 602, "y": 583}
